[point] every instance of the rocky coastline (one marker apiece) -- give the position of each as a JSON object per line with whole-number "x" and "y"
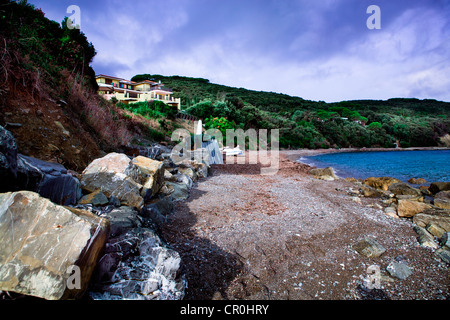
{"x": 135, "y": 225}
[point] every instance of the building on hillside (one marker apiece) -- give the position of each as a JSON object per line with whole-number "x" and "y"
{"x": 129, "y": 91}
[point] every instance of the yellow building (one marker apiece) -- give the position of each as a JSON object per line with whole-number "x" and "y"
{"x": 129, "y": 91}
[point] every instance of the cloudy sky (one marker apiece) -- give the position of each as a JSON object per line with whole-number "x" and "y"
{"x": 317, "y": 50}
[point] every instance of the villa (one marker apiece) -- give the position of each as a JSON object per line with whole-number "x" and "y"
{"x": 129, "y": 91}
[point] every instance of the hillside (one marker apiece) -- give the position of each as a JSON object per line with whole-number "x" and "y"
{"x": 311, "y": 124}
{"x": 48, "y": 96}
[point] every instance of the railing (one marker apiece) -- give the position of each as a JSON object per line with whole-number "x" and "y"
{"x": 185, "y": 116}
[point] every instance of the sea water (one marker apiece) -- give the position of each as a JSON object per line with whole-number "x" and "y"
{"x": 431, "y": 165}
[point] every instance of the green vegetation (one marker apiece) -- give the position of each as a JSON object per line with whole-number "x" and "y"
{"x": 150, "y": 110}
{"x": 310, "y": 124}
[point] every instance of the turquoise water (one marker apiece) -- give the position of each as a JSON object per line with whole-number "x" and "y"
{"x": 433, "y": 165}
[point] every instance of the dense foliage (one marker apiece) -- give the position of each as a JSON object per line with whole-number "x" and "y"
{"x": 43, "y": 48}
{"x": 310, "y": 124}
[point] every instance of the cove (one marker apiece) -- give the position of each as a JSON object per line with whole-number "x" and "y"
{"x": 432, "y": 165}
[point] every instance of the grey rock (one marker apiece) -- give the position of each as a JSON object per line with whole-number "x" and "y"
{"x": 157, "y": 211}
{"x": 181, "y": 191}
{"x": 444, "y": 254}
{"x": 445, "y": 240}
{"x": 136, "y": 263}
{"x": 121, "y": 219}
{"x": 399, "y": 269}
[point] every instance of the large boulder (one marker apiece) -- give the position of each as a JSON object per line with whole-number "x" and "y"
{"x": 19, "y": 172}
{"x": 442, "y": 200}
{"x": 47, "y": 250}
{"x": 51, "y": 180}
{"x": 381, "y": 183}
{"x": 108, "y": 175}
{"x": 136, "y": 263}
{"x": 436, "y": 187}
{"x": 440, "y": 220}
{"x": 401, "y": 188}
{"x": 409, "y": 208}
{"x": 132, "y": 181}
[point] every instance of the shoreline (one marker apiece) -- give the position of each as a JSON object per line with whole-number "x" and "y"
{"x": 294, "y": 155}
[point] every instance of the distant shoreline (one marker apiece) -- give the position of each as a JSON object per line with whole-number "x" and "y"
{"x": 294, "y": 155}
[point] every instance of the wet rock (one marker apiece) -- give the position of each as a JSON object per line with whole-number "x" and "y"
{"x": 326, "y": 174}
{"x": 136, "y": 263}
{"x": 41, "y": 244}
{"x": 409, "y": 208}
{"x": 442, "y": 200}
{"x": 381, "y": 183}
{"x": 369, "y": 247}
{"x": 50, "y": 180}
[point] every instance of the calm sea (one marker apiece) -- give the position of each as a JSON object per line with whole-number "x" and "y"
{"x": 433, "y": 165}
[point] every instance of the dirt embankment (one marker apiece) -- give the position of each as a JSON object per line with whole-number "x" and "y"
{"x": 243, "y": 235}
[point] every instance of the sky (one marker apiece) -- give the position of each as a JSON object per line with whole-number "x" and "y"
{"x": 318, "y": 50}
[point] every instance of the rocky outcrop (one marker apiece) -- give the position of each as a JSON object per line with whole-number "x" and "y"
{"x": 136, "y": 263}
{"x": 428, "y": 207}
{"x": 43, "y": 243}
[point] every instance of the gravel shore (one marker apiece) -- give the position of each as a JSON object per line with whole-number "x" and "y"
{"x": 243, "y": 235}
